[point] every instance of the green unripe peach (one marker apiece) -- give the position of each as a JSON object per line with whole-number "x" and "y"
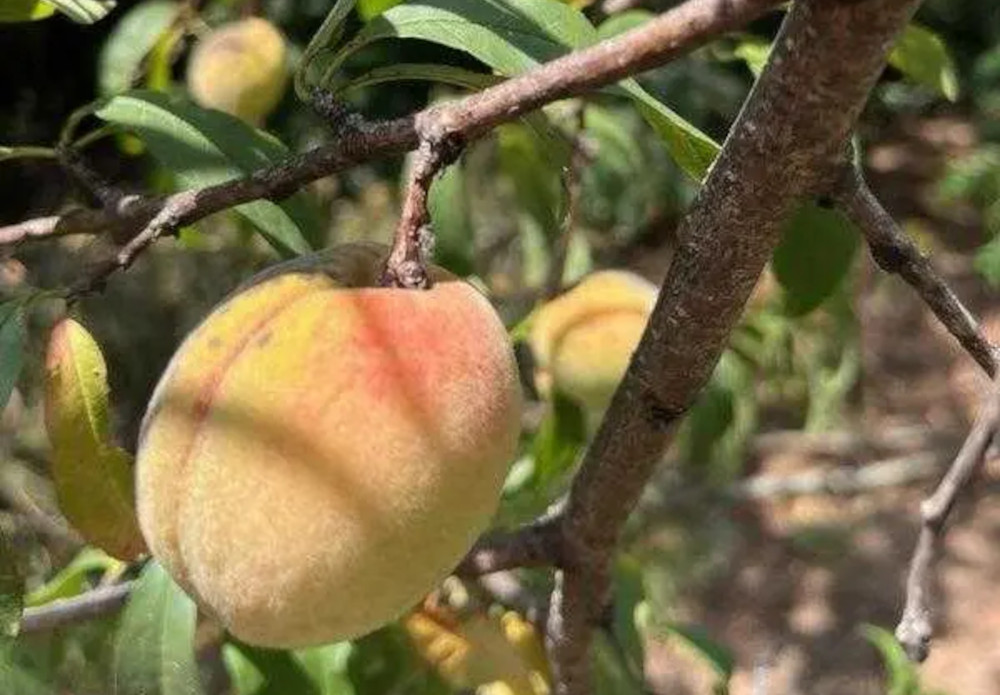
{"x": 321, "y": 452}
{"x": 240, "y": 68}
{"x": 583, "y": 340}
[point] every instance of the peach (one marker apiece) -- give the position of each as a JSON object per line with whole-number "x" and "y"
{"x": 583, "y": 340}
{"x": 321, "y": 452}
{"x": 240, "y": 68}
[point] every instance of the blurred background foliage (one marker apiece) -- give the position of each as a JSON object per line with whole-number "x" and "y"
{"x": 502, "y": 217}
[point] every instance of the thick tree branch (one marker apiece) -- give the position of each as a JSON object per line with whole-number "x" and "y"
{"x": 896, "y": 253}
{"x": 661, "y": 39}
{"x": 787, "y": 144}
{"x": 914, "y": 630}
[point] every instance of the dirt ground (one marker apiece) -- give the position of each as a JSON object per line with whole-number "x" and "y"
{"x": 791, "y": 616}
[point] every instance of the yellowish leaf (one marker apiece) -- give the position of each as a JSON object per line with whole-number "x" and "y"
{"x": 496, "y": 654}
{"x": 93, "y": 477}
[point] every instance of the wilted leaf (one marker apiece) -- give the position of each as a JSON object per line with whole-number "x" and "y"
{"x": 476, "y": 652}
{"x": 923, "y": 57}
{"x": 132, "y": 38}
{"x": 25, "y": 10}
{"x": 93, "y": 478}
{"x": 154, "y": 647}
{"x": 11, "y": 589}
{"x": 815, "y": 252}
{"x": 202, "y": 148}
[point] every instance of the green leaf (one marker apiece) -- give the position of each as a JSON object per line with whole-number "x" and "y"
{"x": 535, "y": 177}
{"x": 84, "y": 11}
{"x": 132, "y": 38}
{"x": 369, "y": 9}
{"x": 202, "y": 148}
{"x": 11, "y": 588}
{"x": 12, "y": 336}
{"x": 154, "y": 646}
{"x": 901, "y": 674}
{"x": 611, "y": 674}
{"x": 754, "y": 51}
{"x": 814, "y": 255}
{"x": 509, "y": 36}
{"x": 327, "y": 666}
{"x": 14, "y": 678}
{"x": 621, "y": 22}
{"x": 280, "y": 673}
{"x": 987, "y": 261}
{"x": 696, "y": 637}
{"x": 448, "y": 204}
{"x": 25, "y": 10}
{"x": 629, "y": 593}
{"x": 923, "y": 57}
{"x": 71, "y": 580}
{"x": 93, "y": 478}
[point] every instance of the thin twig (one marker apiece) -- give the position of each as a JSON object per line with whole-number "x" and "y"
{"x": 914, "y": 631}
{"x": 88, "y": 179}
{"x": 406, "y": 265}
{"x": 534, "y": 545}
{"x": 896, "y": 253}
{"x": 96, "y": 603}
{"x": 671, "y": 34}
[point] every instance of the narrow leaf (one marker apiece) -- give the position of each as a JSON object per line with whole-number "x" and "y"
{"x": 923, "y": 57}
{"x": 12, "y": 337}
{"x": 11, "y": 589}
{"x": 93, "y": 478}
{"x": 84, "y": 11}
{"x": 132, "y": 38}
{"x": 72, "y": 579}
{"x": 202, "y": 148}
{"x": 511, "y": 37}
{"x": 154, "y": 647}
{"x": 448, "y": 204}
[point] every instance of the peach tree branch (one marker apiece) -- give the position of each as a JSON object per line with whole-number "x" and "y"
{"x": 895, "y": 253}
{"x": 786, "y": 145}
{"x": 680, "y": 29}
{"x": 914, "y": 631}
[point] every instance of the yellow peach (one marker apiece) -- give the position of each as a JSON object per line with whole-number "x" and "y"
{"x": 583, "y": 340}
{"x": 240, "y": 68}
{"x": 321, "y": 451}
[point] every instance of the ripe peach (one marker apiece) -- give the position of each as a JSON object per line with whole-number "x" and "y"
{"x": 240, "y": 68}
{"x": 321, "y": 452}
{"x": 583, "y": 340}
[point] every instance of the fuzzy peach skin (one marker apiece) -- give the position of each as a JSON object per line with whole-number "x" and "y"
{"x": 321, "y": 452}
{"x": 583, "y": 339}
{"x": 240, "y": 68}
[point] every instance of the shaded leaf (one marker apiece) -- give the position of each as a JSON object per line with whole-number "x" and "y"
{"x": 620, "y": 22}
{"x": 923, "y": 57}
{"x": 816, "y": 250}
{"x": 611, "y": 674}
{"x": 534, "y": 176}
{"x": 696, "y": 637}
{"x": 93, "y": 478}
{"x": 386, "y": 661}
{"x": 448, "y": 204}
{"x": 629, "y": 593}
{"x": 327, "y": 666}
{"x": 987, "y": 261}
{"x": 11, "y": 589}
{"x": 132, "y": 38}
{"x": 202, "y": 147}
{"x": 12, "y": 337}
{"x": 25, "y": 10}
{"x": 279, "y": 672}
{"x": 154, "y": 647}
